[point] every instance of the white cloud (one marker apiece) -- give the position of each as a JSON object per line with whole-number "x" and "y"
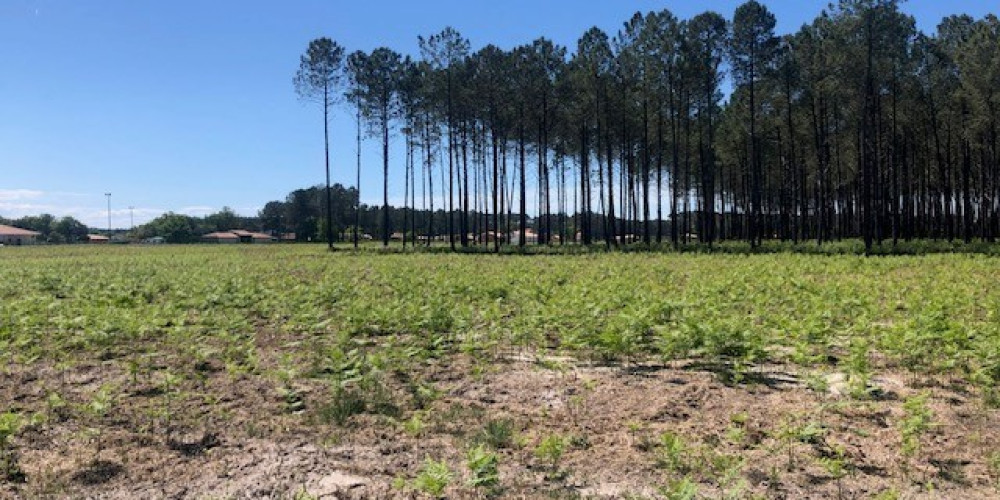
{"x": 20, "y": 194}
{"x": 197, "y": 211}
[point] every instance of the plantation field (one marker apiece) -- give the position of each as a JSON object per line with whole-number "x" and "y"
{"x": 286, "y": 371}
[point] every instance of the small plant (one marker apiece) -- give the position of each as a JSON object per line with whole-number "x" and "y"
{"x": 57, "y": 406}
{"x": 10, "y": 425}
{"x": 681, "y": 489}
{"x": 433, "y": 478}
{"x": 859, "y": 370}
{"x": 817, "y": 383}
{"x": 890, "y": 494}
{"x": 170, "y": 387}
{"x": 415, "y": 425}
{"x": 550, "y": 450}
{"x": 836, "y": 467}
{"x": 993, "y": 465}
{"x": 736, "y": 435}
{"x": 809, "y": 433}
{"x": 304, "y": 494}
{"x": 671, "y": 454}
{"x": 96, "y": 410}
{"x": 286, "y": 372}
{"x": 497, "y": 434}
{"x": 483, "y": 465}
{"x": 343, "y": 405}
{"x": 916, "y": 422}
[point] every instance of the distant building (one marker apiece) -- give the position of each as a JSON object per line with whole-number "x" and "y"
{"x": 10, "y": 235}
{"x": 238, "y": 236}
{"x": 98, "y": 239}
{"x": 489, "y": 236}
{"x": 530, "y": 236}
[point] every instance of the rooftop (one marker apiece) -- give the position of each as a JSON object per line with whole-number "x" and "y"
{"x": 16, "y": 231}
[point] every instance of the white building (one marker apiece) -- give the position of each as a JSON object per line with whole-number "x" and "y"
{"x": 15, "y": 236}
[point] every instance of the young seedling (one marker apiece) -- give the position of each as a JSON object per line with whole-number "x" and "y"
{"x": 498, "y": 434}
{"x": 681, "y": 489}
{"x": 96, "y": 410}
{"x": 550, "y": 450}
{"x": 916, "y": 422}
{"x": 672, "y": 453}
{"x": 10, "y": 424}
{"x": 859, "y": 370}
{"x": 484, "y": 467}
{"x": 415, "y": 425}
{"x": 434, "y": 478}
{"x": 286, "y": 373}
{"x": 836, "y": 467}
{"x": 169, "y": 385}
{"x": 993, "y": 465}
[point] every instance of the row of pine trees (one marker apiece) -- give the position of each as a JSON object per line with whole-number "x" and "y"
{"x": 709, "y": 128}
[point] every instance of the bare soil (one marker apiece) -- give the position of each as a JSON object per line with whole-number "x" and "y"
{"x": 233, "y": 436}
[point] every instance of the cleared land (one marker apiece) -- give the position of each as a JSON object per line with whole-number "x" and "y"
{"x": 284, "y": 370}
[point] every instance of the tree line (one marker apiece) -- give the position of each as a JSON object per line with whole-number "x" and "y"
{"x": 856, "y": 125}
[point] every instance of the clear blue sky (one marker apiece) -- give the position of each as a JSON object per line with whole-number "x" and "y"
{"x": 188, "y": 106}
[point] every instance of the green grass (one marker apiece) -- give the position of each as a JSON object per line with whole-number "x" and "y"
{"x": 938, "y": 313}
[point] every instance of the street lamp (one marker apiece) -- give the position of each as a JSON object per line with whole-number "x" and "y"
{"x": 109, "y": 212}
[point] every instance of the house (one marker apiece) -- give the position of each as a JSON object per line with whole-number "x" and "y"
{"x": 237, "y": 236}
{"x": 491, "y": 236}
{"x": 98, "y": 239}
{"x": 530, "y": 236}
{"x": 10, "y": 235}
{"x": 220, "y": 237}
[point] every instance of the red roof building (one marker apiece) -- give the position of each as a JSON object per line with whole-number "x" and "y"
{"x": 237, "y": 236}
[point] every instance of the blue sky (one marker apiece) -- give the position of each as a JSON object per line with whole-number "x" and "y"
{"x": 188, "y": 106}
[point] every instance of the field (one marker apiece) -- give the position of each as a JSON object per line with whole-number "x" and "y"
{"x": 286, "y": 371}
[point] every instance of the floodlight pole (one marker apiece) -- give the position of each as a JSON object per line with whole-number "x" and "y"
{"x": 109, "y": 212}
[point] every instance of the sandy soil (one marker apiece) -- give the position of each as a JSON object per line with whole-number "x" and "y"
{"x": 233, "y": 436}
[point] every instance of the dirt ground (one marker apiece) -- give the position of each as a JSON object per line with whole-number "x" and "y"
{"x": 769, "y": 437}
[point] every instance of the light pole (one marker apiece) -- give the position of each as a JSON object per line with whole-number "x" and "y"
{"x": 109, "y": 212}
{"x": 131, "y": 216}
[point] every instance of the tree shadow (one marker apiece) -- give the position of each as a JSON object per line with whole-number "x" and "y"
{"x": 98, "y": 472}
{"x": 208, "y": 441}
{"x": 732, "y": 376}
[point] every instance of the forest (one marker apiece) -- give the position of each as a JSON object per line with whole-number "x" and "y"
{"x": 677, "y": 130}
